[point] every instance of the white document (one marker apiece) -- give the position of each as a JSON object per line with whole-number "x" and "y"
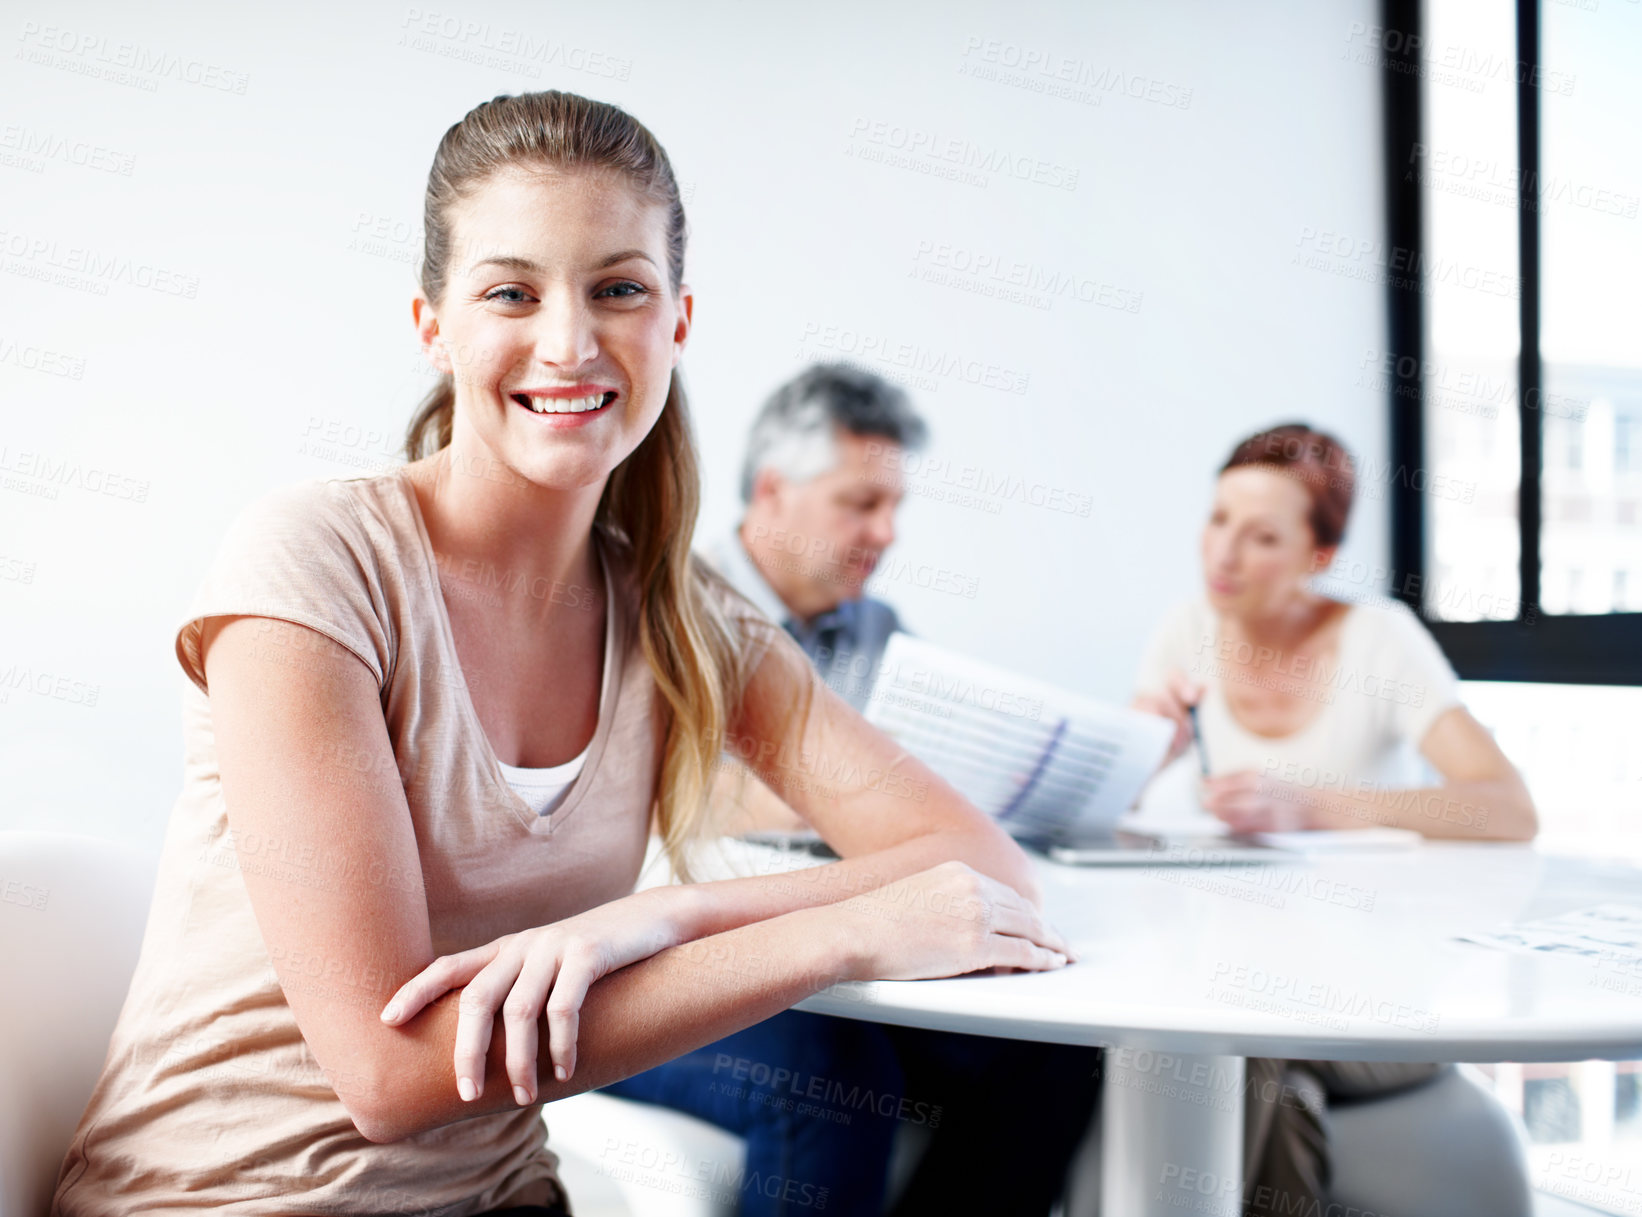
{"x": 1342, "y": 840}
{"x": 1036, "y": 758}
{"x": 1605, "y": 933}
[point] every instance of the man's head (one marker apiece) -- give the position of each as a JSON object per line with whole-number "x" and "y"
{"x": 822, "y": 480}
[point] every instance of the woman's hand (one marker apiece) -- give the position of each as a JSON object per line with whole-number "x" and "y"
{"x": 1173, "y": 703}
{"x": 550, "y": 967}
{"x": 1249, "y": 803}
{"x": 946, "y": 921}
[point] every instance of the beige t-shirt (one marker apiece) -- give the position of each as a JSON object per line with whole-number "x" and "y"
{"x": 210, "y": 1097}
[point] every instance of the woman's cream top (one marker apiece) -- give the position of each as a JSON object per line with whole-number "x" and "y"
{"x": 209, "y": 1097}
{"x": 1376, "y": 699}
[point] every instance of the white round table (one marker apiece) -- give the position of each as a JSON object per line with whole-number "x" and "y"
{"x": 1184, "y": 970}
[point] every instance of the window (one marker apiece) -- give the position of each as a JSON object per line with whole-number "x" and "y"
{"x": 1511, "y": 183}
{"x": 1513, "y": 198}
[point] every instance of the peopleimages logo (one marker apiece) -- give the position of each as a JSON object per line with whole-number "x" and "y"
{"x": 98, "y": 268}
{"x": 915, "y": 358}
{"x": 123, "y": 62}
{"x": 503, "y": 49}
{"x": 1450, "y": 64}
{"x": 961, "y": 153}
{"x": 25, "y": 679}
{"x": 988, "y": 272}
{"x": 1372, "y": 259}
{"x": 1041, "y": 70}
{"x": 41, "y": 359}
{"x": 41, "y": 146}
{"x": 45, "y": 474}
{"x": 1492, "y": 180}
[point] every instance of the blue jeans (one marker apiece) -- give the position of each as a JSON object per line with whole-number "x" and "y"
{"x": 796, "y": 1086}
{"x": 819, "y": 1099}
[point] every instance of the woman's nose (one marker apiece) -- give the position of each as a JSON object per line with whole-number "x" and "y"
{"x": 565, "y": 334}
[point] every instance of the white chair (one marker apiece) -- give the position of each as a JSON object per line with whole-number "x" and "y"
{"x": 1447, "y": 1146}
{"x": 663, "y": 1162}
{"x": 72, "y": 912}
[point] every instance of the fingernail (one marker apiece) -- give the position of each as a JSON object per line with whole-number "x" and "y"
{"x": 466, "y": 1088}
{"x": 391, "y": 1014}
{"x": 560, "y": 1072}
{"x": 522, "y": 1096}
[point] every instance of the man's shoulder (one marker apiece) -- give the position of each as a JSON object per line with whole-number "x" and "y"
{"x": 878, "y": 616}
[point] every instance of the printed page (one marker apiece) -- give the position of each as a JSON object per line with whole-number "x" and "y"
{"x": 1035, "y": 757}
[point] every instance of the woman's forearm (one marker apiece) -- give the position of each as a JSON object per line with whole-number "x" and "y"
{"x": 1471, "y": 811}
{"x": 633, "y": 1019}
{"x": 724, "y": 904}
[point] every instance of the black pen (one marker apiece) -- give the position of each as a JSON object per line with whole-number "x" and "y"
{"x": 1197, "y": 738}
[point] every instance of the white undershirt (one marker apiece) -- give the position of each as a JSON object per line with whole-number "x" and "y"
{"x": 543, "y": 788}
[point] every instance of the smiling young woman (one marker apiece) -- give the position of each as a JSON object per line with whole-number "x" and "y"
{"x": 370, "y": 957}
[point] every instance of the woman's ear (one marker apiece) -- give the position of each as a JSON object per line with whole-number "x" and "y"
{"x": 686, "y": 318}
{"x": 1322, "y": 558}
{"x": 427, "y": 333}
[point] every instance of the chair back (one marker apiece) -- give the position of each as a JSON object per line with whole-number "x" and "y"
{"x": 72, "y": 913}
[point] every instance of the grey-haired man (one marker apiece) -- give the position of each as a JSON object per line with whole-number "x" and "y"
{"x": 822, "y": 481}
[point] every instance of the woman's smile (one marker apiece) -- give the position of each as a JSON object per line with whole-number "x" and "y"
{"x": 573, "y": 406}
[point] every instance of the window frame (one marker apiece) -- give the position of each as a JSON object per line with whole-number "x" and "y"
{"x": 1535, "y": 646}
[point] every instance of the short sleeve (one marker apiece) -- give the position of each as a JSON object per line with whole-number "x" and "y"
{"x": 1176, "y": 643}
{"x": 300, "y": 554}
{"x": 1416, "y": 681}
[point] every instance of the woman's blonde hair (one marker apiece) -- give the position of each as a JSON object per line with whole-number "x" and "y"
{"x": 650, "y": 502}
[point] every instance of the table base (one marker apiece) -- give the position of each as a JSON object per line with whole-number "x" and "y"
{"x": 1171, "y": 1134}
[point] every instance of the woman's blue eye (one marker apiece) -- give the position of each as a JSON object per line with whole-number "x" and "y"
{"x": 518, "y": 295}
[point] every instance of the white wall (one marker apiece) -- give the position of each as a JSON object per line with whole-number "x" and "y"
{"x": 264, "y": 208}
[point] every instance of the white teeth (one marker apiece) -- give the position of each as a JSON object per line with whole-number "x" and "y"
{"x": 565, "y": 405}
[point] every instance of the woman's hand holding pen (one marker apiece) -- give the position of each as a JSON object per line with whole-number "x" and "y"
{"x": 1245, "y": 801}
{"x": 1175, "y": 701}
{"x": 549, "y": 968}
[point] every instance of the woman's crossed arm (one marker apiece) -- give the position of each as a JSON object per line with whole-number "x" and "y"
{"x": 285, "y": 702}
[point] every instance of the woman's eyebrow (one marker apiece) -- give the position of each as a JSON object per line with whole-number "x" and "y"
{"x": 506, "y": 262}
{"x": 624, "y": 255}
{"x": 516, "y": 262}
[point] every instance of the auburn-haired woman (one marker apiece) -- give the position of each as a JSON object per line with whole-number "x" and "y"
{"x": 432, "y": 715}
{"x": 1311, "y": 712}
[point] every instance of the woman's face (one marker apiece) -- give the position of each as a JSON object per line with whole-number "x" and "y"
{"x": 1258, "y": 547}
{"x": 558, "y": 323}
